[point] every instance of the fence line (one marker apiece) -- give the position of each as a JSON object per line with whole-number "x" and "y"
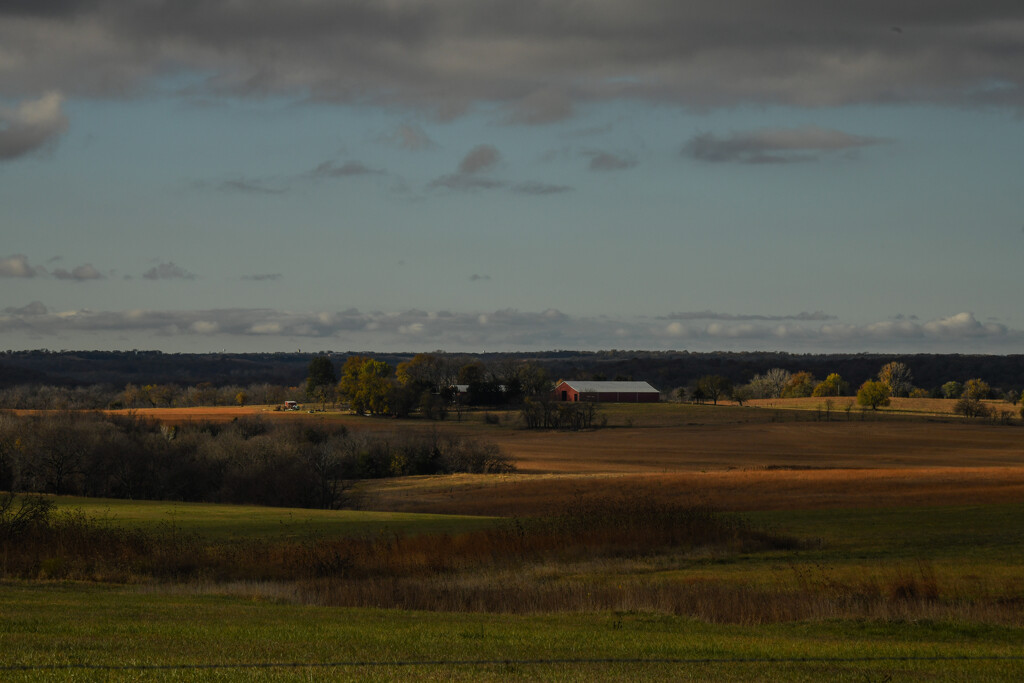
{"x": 510, "y": 662}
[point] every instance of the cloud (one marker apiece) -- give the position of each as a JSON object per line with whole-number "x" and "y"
{"x": 606, "y": 161}
{"x": 546, "y": 105}
{"x": 963, "y": 325}
{"x": 32, "y": 309}
{"x": 168, "y": 271}
{"x": 511, "y": 329}
{"x": 330, "y": 169}
{"x": 480, "y": 158}
{"x": 476, "y": 278}
{"x": 410, "y": 137}
{"x": 30, "y": 125}
{"x": 263, "y": 277}
{"x": 536, "y": 59}
{"x": 80, "y": 273}
{"x": 18, "y": 266}
{"x": 774, "y": 145}
{"x": 711, "y": 315}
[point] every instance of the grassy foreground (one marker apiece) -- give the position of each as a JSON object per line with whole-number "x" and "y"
{"x": 53, "y": 628}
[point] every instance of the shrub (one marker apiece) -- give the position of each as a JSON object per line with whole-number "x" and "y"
{"x": 969, "y": 406}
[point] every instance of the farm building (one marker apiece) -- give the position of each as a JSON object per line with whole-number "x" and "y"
{"x": 606, "y": 392}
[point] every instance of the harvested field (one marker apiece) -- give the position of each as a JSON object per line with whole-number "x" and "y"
{"x": 854, "y": 444}
{"x": 729, "y": 457}
{"x": 927, "y": 406}
{"x": 737, "y": 490}
{"x": 703, "y": 439}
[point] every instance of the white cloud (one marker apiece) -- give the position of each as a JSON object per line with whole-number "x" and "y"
{"x": 18, "y": 266}
{"x": 511, "y": 329}
{"x": 204, "y": 327}
{"x": 963, "y": 325}
{"x": 30, "y": 125}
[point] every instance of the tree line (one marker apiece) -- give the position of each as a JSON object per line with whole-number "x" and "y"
{"x": 894, "y": 379}
{"x": 249, "y": 460}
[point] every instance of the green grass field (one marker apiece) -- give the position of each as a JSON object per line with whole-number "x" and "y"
{"x": 252, "y": 521}
{"x": 54, "y": 628}
{"x": 930, "y": 593}
{"x": 65, "y": 630}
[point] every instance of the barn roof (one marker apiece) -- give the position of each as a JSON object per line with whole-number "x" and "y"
{"x": 585, "y": 387}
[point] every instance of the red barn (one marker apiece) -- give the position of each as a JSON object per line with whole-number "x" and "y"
{"x": 606, "y": 392}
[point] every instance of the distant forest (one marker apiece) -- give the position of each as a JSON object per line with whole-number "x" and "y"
{"x": 665, "y": 370}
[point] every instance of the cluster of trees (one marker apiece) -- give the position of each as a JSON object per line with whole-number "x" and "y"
{"x": 894, "y": 379}
{"x": 247, "y": 461}
{"x": 544, "y": 413}
{"x": 428, "y": 383}
{"x": 104, "y": 396}
{"x": 773, "y": 383}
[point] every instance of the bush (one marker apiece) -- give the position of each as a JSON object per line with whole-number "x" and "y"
{"x": 968, "y": 406}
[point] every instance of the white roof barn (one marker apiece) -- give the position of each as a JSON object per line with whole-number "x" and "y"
{"x": 609, "y": 392}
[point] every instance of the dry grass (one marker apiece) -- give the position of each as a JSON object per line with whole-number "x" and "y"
{"x": 735, "y": 490}
{"x": 729, "y": 457}
{"x": 906, "y": 593}
{"x": 839, "y": 404}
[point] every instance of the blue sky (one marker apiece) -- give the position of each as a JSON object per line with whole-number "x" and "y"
{"x": 492, "y": 175}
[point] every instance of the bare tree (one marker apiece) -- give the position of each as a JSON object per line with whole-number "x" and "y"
{"x": 770, "y": 384}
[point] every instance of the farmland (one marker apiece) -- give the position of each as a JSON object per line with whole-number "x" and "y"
{"x": 855, "y": 546}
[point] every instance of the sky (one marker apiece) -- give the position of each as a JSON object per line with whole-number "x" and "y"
{"x": 512, "y": 175}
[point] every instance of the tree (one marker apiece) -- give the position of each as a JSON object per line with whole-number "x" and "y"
{"x": 741, "y": 394}
{"x": 366, "y": 384}
{"x": 423, "y": 372}
{"x": 873, "y": 394}
{"x": 952, "y": 389}
{"x": 534, "y": 379}
{"x": 799, "y": 385}
{"x": 976, "y": 389}
{"x": 321, "y": 379}
{"x": 714, "y": 387}
{"x": 770, "y": 384}
{"x": 833, "y": 385}
{"x": 348, "y": 385}
{"x": 897, "y": 377}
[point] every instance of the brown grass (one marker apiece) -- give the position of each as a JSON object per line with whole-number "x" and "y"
{"x": 729, "y": 457}
{"x": 924, "y": 406}
{"x": 736, "y": 490}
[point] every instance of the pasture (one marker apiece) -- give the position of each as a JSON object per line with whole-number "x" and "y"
{"x": 853, "y": 546}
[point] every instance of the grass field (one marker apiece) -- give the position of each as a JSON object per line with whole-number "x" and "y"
{"x": 906, "y": 563}
{"x": 125, "y": 627}
{"x": 217, "y": 522}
